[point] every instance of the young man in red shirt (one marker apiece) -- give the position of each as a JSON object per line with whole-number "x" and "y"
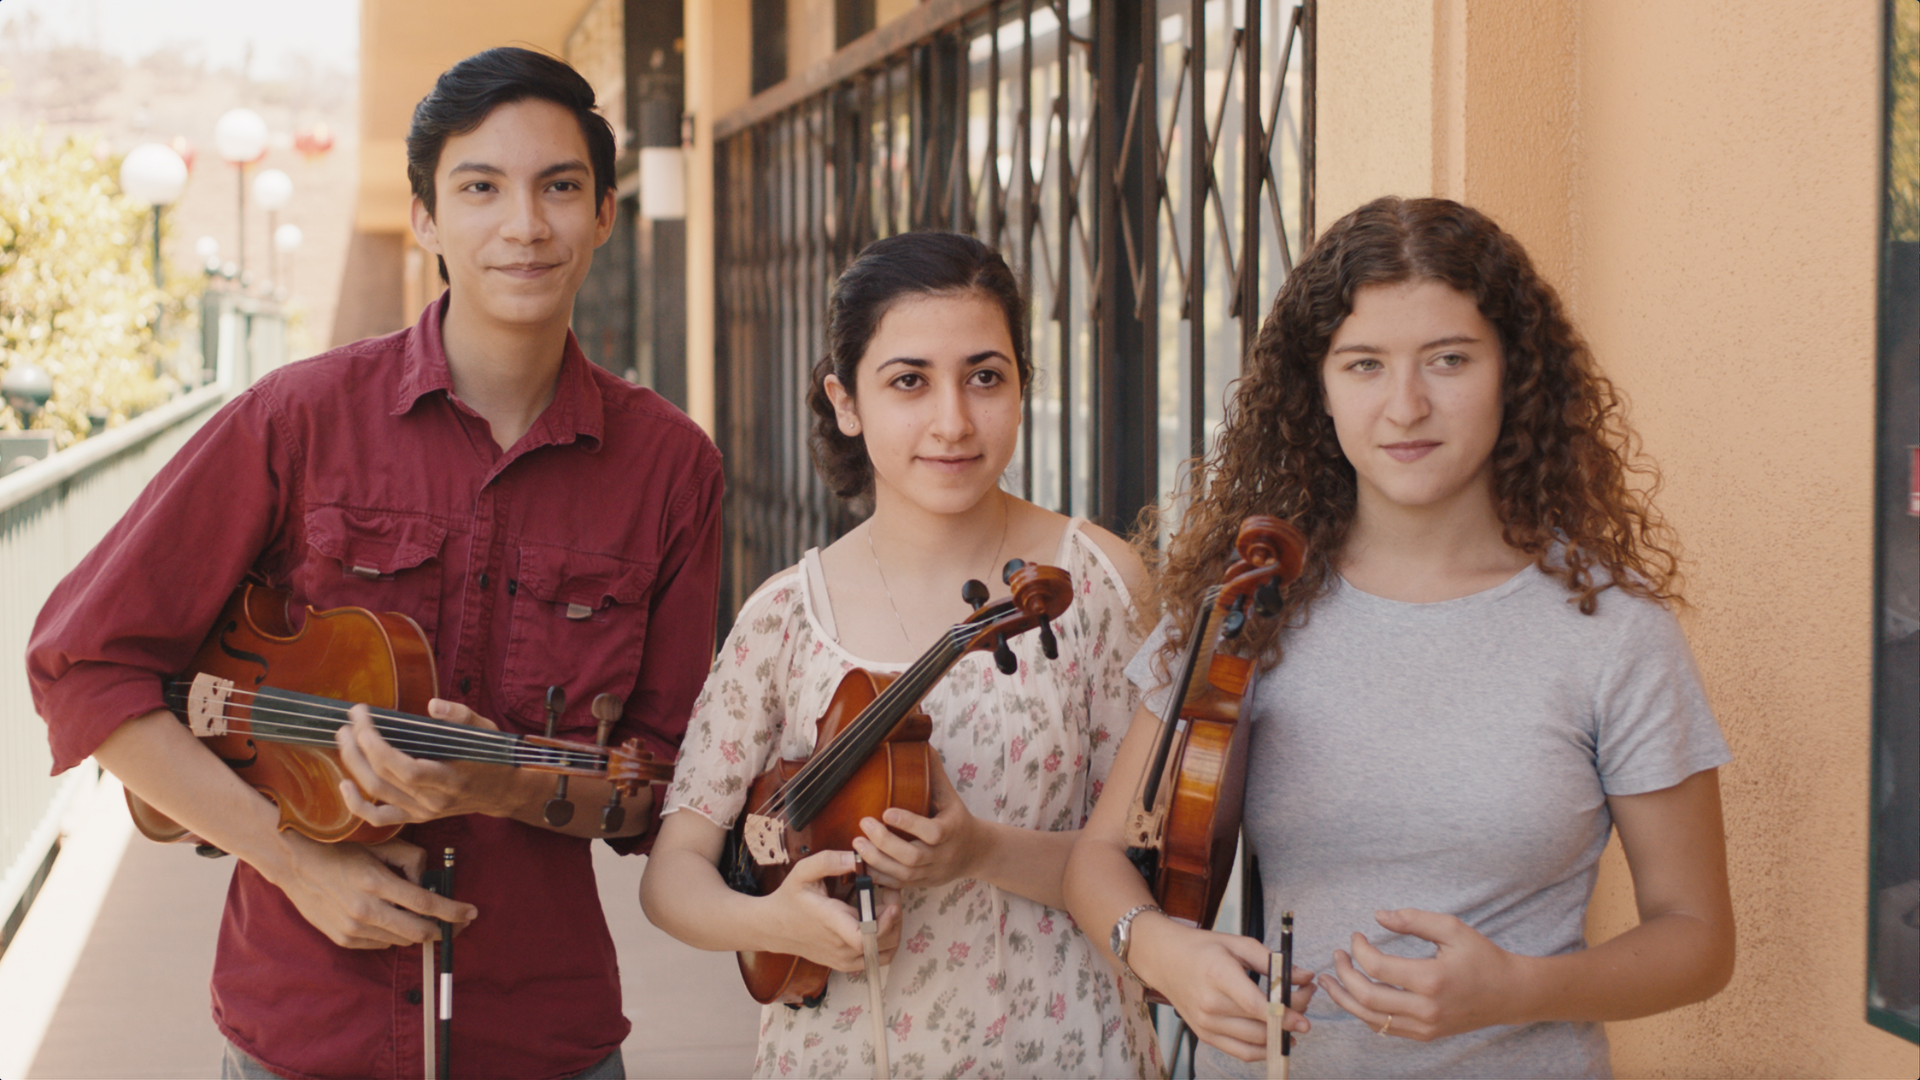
{"x": 545, "y": 523}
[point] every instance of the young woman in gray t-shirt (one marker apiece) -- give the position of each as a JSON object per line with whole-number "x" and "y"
{"x": 1476, "y": 678}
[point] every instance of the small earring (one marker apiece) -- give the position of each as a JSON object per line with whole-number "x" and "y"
{"x": 849, "y": 426}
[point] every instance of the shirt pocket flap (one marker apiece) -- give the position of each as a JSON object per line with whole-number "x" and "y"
{"x": 370, "y": 544}
{"x": 580, "y": 579}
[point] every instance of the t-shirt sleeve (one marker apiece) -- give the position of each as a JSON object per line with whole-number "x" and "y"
{"x": 741, "y": 711}
{"x": 1104, "y": 619}
{"x": 1147, "y": 672}
{"x": 1653, "y": 725}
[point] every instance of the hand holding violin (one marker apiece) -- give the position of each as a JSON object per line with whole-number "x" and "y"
{"x": 808, "y": 922}
{"x": 401, "y": 790}
{"x": 1204, "y": 974}
{"x": 905, "y": 849}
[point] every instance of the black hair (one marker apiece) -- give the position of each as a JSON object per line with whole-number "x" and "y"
{"x": 910, "y": 264}
{"x": 468, "y": 92}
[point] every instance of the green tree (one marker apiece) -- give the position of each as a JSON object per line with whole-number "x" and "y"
{"x": 76, "y": 288}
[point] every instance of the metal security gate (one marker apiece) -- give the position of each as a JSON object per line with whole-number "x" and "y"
{"x": 1146, "y": 166}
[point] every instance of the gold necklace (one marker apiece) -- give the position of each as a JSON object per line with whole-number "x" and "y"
{"x": 1006, "y": 515}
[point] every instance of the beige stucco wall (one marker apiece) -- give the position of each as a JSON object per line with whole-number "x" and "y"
{"x": 718, "y": 81}
{"x": 1701, "y": 183}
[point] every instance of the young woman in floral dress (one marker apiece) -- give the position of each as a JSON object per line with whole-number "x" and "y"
{"x": 917, "y": 408}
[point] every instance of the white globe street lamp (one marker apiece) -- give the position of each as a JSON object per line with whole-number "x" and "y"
{"x": 272, "y": 189}
{"x": 241, "y": 137}
{"x": 286, "y": 240}
{"x": 153, "y": 174}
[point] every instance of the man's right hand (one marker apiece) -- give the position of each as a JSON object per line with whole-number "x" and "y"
{"x": 367, "y": 897}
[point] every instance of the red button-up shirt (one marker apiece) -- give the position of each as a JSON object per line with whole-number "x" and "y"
{"x": 586, "y": 557}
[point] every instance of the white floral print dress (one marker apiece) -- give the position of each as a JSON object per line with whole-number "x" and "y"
{"x": 985, "y": 983}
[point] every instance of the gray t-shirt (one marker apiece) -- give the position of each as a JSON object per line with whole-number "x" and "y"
{"x": 1456, "y": 757}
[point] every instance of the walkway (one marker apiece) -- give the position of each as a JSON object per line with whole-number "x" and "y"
{"x": 135, "y": 1004}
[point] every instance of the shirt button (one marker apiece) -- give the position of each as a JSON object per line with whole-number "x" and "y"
{"x": 483, "y": 581}
{"x": 466, "y": 685}
{"x": 413, "y": 997}
{"x": 512, "y": 586}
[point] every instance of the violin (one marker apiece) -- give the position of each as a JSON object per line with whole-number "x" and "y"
{"x": 1184, "y": 822}
{"x": 267, "y": 699}
{"x": 870, "y": 753}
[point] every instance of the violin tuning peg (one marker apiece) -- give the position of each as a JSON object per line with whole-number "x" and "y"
{"x": 606, "y": 710}
{"x": 558, "y": 810}
{"x": 1003, "y": 657}
{"x": 613, "y": 815}
{"x": 556, "y": 704}
{"x": 1236, "y": 619}
{"x": 1048, "y": 643}
{"x": 1266, "y": 600}
{"x": 1013, "y": 567}
{"x": 974, "y": 593}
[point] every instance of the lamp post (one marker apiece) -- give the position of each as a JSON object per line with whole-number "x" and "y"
{"x": 241, "y": 137}
{"x": 286, "y": 240}
{"x": 153, "y": 174}
{"x": 272, "y": 189}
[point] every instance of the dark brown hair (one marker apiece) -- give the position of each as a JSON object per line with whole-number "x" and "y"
{"x": 1561, "y": 464}
{"x": 468, "y": 92}
{"x": 910, "y": 264}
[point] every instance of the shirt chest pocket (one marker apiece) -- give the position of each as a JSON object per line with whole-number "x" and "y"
{"x": 374, "y": 559}
{"x": 579, "y": 622}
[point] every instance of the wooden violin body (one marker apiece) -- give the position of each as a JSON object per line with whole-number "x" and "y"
{"x": 1184, "y": 824}
{"x": 266, "y": 698}
{"x": 349, "y": 654}
{"x": 870, "y": 753}
{"x": 899, "y": 772}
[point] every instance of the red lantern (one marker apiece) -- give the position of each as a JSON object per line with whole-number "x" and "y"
{"x": 314, "y": 141}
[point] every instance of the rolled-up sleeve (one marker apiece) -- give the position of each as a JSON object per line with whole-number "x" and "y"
{"x": 136, "y": 607}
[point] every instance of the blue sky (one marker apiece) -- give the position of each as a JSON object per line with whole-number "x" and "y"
{"x": 324, "y": 30}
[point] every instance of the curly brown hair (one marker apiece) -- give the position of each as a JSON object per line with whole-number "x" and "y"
{"x": 909, "y": 264}
{"x": 1561, "y": 465}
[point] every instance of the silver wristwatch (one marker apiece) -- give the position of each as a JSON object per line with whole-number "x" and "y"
{"x": 1122, "y": 938}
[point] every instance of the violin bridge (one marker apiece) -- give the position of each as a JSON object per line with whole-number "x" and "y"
{"x": 1144, "y": 828}
{"x": 766, "y": 840}
{"x": 207, "y": 705}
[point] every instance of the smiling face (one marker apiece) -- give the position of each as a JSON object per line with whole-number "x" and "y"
{"x": 1412, "y": 381}
{"x": 937, "y": 398}
{"x": 514, "y": 215}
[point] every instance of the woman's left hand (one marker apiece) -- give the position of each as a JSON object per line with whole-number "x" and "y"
{"x": 933, "y": 851}
{"x": 1470, "y": 983}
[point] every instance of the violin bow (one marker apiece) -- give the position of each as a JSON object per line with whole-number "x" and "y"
{"x": 1280, "y": 1002}
{"x": 876, "y": 1000}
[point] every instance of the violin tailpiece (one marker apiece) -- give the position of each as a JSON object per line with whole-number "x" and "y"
{"x": 766, "y": 840}
{"x": 1144, "y": 828}
{"x": 207, "y": 705}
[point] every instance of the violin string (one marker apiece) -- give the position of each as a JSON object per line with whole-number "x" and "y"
{"x": 1176, "y": 697}
{"x": 825, "y": 771}
{"x": 316, "y": 706}
{"x": 431, "y": 736}
{"x": 317, "y": 716}
{"x": 301, "y": 731}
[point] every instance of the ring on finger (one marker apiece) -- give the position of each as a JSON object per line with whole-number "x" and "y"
{"x": 1383, "y": 1027}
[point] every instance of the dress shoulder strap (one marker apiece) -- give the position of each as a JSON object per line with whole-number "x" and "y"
{"x": 816, "y": 584}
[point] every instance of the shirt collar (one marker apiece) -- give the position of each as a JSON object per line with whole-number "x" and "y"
{"x": 576, "y": 412}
